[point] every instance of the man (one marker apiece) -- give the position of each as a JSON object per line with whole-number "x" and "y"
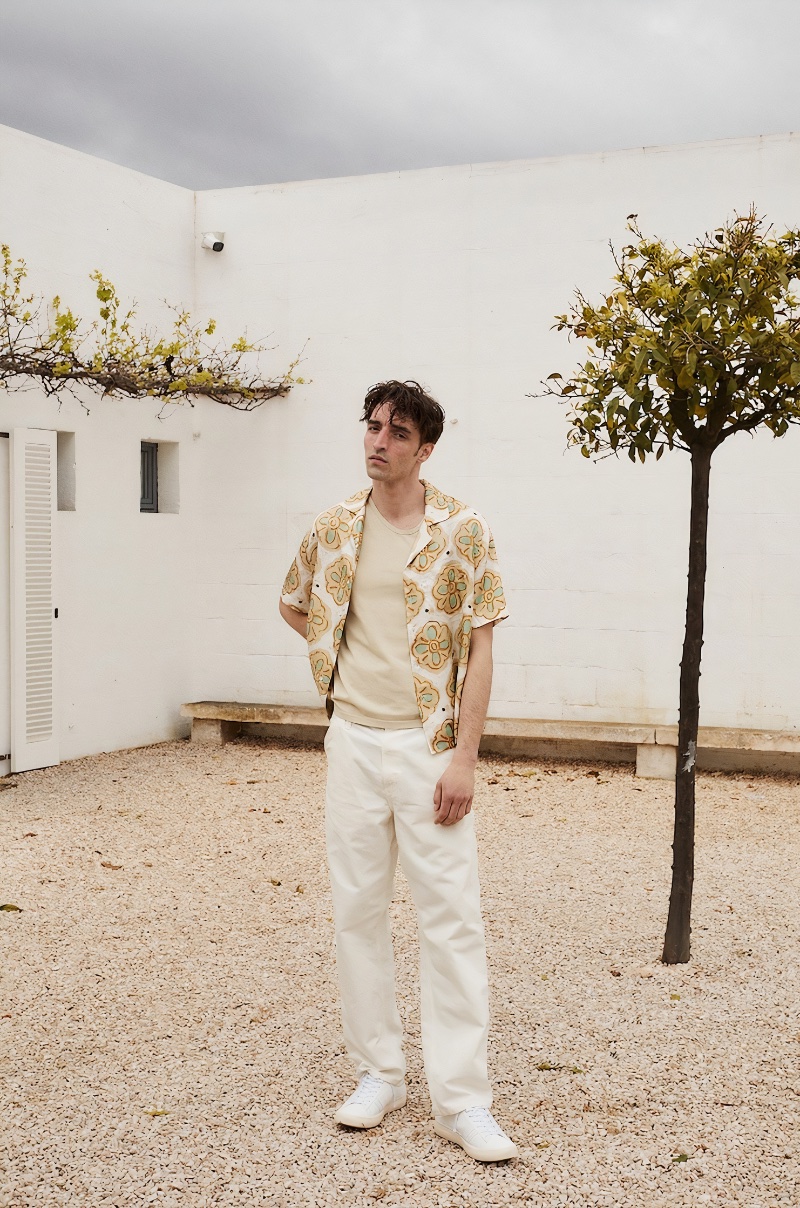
{"x": 397, "y": 591}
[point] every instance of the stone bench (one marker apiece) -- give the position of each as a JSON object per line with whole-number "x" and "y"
{"x": 653, "y": 749}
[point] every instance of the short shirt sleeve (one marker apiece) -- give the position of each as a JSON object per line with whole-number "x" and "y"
{"x": 296, "y": 590}
{"x": 489, "y": 600}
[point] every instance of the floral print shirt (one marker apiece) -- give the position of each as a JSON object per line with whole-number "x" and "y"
{"x": 451, "y": 583}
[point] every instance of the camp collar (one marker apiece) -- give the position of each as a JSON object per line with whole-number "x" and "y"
{"x": 433, "y": 515}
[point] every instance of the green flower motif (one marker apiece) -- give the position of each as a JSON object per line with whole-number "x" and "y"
{"x": 451, "y": 684}
{"x": 428, "y": 555}
{"x": 413, "y": 597}
{"x": 305, "y": 551}
{"x": 450, "y": 588}
{"x": 427, "y": 697}
{"x": 292, "y": 580}
{"x": 432, "y": 645}
{"x": 469, "y": 540}
{"x": 322, "y": 670}
{"x": 339, "y": 580}
{"x": 334, "y": 528}
{"x": 463, "y": 634}
{"x": 489, "y": 598}
{"x": 318, "y": 620}
{"x": 441, "y": 501}
{"x": 445, "y": 737}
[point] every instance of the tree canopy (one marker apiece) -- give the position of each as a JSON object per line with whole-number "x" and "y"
{"x": 47, "y": 344}
{"x": 691, "y": 346}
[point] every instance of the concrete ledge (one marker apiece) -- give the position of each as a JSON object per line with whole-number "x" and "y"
{"x": 273, "y": 714}
{"x": 557, "y": 748}
{"x": 724, "y": 738}
{"x": 653, "y": 749}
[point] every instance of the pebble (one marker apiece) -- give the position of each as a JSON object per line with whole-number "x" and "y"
{"x": 197, "y": 980}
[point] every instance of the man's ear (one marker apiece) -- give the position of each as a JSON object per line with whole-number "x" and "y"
{"x": 424, "y": 452}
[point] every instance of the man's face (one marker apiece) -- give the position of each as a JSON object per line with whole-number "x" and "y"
{"x": 392, "y": 447}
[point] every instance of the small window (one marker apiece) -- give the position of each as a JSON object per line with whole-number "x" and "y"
{"x": 149, "y": 493}
{"x": 160, "y": 490}
{"x": 65, "y": 471}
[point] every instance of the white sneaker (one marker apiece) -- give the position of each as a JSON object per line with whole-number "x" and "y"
{"x": 370, "y": 1102}
{"x": 478, "y": 1133}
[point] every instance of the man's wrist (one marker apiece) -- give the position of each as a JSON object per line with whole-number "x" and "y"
{"x": 465, "y": 756}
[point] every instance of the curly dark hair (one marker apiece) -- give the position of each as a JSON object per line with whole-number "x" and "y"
{"x": 407, "y": 400}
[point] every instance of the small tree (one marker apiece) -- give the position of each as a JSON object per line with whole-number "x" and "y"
{"x": 688, "y": 349}
{"x": 48, "y": 345}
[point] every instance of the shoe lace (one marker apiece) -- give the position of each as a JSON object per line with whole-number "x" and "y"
{"x": 483, "y": 1119}
{"x": 366, "y": 1088}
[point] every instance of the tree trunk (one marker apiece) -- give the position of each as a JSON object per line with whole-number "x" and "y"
{"x": 677, "y": 937}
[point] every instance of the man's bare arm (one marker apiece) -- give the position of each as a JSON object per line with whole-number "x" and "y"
{"x": 454, "y": 792}
{"x": 293, "y": 617}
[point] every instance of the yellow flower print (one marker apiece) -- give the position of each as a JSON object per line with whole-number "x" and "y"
{"x": 451, "y": 684}
{"x": 322, "y": 669}
{"x": 450, "y": 588}
{"x": 463, "y": 639}
{"x": 469, "y": 541}
{"x": 337, "y": 635}
{"x": 427, "y": 556}
{"x": 359, "y": 495}
{"x": 414, "y": 598}
{"x": 339, "y": 580}
{"x": 439, "y": 500}
{"x": 292, "y": 580}
{"x": 334, "y": 528}
{"x": 489, "y": 598}
{"x": 305, "y": 552}
{"x": 445, "y": 737}
{"x": 432, "y": 645}
{"x": 318, "y": 620}
{"x": 427, "y": 697}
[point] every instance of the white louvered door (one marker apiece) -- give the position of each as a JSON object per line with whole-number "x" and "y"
{"x": 34, "y": 730}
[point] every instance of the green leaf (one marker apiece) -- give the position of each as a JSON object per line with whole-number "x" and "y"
{"x": 10, "y": 906}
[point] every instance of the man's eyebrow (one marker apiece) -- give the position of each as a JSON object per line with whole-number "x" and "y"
{"x": 398, "y": 427}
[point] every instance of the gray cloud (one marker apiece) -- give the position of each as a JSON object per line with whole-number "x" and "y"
{"x": 209, "y": 93}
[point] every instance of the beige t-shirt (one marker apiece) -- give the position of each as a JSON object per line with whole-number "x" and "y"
{"x": 373, "y": 684}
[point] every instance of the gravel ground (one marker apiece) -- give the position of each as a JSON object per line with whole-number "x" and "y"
{"x": 170, "y": 1035}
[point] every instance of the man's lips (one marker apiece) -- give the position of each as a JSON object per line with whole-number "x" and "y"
{"x": 382, "y": 460}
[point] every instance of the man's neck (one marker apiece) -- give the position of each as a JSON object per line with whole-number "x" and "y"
{"x": 401, "y": 503}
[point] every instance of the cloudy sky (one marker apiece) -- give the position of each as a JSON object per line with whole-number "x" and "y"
{"x": 227, "y": 92}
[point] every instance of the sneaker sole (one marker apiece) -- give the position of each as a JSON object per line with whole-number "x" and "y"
{"x": 368, "y": 1121}
{"x": 480, "y": 1155}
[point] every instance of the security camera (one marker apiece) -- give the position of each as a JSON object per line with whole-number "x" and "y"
{"x": 213, "y": 240}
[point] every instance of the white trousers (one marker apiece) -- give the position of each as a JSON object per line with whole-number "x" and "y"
{"x": 379, "y": 805}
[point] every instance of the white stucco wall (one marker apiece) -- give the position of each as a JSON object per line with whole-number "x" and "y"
{"x": 450, "y": 276}
{"x": 124, "y": 650}
{"x": 453, "y": 277}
